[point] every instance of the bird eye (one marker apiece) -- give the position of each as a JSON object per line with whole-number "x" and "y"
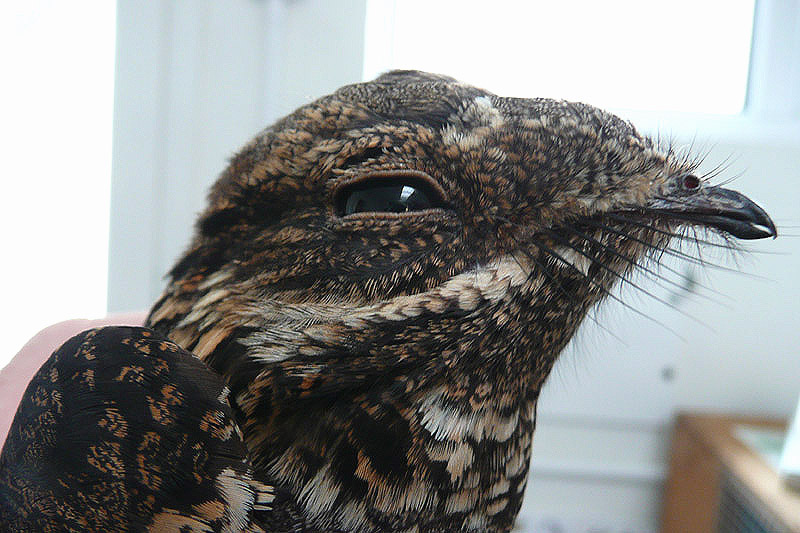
{"x": 399, "y": 198}
{"x": 691, "y": 182}
{"x": 388, "y": 194}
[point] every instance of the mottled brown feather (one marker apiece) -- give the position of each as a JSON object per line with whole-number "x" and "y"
{"x": 384, "y": 368}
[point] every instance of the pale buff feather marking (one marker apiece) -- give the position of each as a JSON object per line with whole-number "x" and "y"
{"x": 460, "y": 460}
{"x": 238, "y": 497}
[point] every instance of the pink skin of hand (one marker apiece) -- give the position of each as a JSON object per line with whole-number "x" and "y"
{"x": 14, "y": 378}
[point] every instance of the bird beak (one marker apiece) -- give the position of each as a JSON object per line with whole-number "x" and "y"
{"x": 723, "y": 209}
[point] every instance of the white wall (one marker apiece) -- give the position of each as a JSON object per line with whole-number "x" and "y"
{"x": 197, "y": 79}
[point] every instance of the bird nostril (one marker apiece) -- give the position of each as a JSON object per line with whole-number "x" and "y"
{"x": 691, "y": 182}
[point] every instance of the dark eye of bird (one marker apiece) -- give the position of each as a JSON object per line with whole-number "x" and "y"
{"x": 387, "y": 196}
{"x": 691, "y": 182}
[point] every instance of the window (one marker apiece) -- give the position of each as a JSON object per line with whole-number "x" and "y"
{"x": 57, "y": 103}
{"x": 682, "y": 55}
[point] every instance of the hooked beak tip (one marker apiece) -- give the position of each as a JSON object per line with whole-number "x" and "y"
{"x": 723, "y": 209}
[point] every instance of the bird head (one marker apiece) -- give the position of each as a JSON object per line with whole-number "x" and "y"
{"x": 396, "y": 186}
{"x": 412, "y": 253}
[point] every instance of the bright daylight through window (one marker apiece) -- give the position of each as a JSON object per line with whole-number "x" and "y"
{"x": 57, "y": 103}
{"x": 645, "y": 56}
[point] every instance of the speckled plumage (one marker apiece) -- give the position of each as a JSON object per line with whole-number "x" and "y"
{"x": 384, "y": 368}
{"x": 106, "y": 437}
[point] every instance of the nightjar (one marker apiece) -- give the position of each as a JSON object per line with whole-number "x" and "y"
{"x": 356, "y": 337}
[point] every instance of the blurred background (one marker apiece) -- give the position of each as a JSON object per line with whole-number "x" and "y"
{"x": 118, "y": 116}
